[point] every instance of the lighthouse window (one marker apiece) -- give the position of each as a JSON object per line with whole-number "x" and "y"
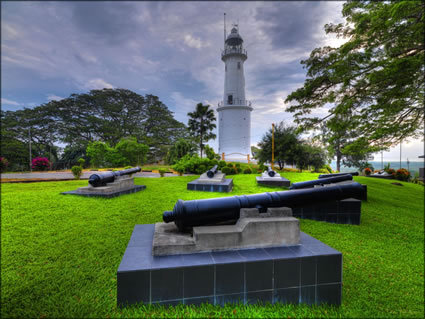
{"x": 230, "y": 99}
{"x": 239, "y": 65}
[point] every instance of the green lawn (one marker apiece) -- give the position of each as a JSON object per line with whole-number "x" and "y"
{"x": 59, "y": 254}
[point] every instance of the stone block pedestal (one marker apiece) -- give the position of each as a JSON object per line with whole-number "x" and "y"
{"x": 310, "y": 272}
{"x": 219, "y": 183}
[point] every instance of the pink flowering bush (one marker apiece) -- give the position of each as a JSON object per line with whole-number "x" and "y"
{"x": 40, "y": 163}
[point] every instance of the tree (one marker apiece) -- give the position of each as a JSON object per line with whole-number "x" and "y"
{"x": 285, "y": 138}
{"x": 134, "y": 153}
{"x": 375, "y": 78}
{"x": 201, "y": 123}
{"x": 309, "y": 155}
{"x": 97, "y": 152}
{"x": 180, "y": 149}
{"x": 209, "y": 151}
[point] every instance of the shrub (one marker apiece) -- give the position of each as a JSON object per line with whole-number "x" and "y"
{"x": 77, "y": 171}
{"x": 328, "y": 168}
{"x": 391, "y": 171}
{"x": 81, "y": 162}
{"x": 233, "y": 171}
{"x": 40, "y": 163}
{"x": 128, "y": 167}
{"x": 367, "y": 171}
{"x": 229, "y": 165}
{"x": 221, "y": 164}
{"x": 161, "y": 172}
{"x": 402, "y": 174}
{"x": 226, "y": 170}
{"x": 213, "y": 162}
{"x": 3, "y": 164}
{"x": 201, "y": 169}
{"x": 247, "y": 171}
{"x": 261, "y": 167}
{"x": 238, "y": 165}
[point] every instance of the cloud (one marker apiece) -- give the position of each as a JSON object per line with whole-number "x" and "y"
{"x": 194, "y": 42}
{"x": 53, "y": 97}
{"x": 9, "y": 102}
{"x": 98, "y": 84}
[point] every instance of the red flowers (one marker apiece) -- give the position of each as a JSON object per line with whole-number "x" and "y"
{"x": 40, "y": 163}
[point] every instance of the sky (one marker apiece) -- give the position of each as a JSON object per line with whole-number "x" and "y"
{"x": 50, "y": 50}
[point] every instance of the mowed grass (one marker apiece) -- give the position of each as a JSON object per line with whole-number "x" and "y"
{"x": 60, "y": 254}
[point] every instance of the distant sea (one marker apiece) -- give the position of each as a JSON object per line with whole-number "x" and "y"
{"x": 413, "y": 166}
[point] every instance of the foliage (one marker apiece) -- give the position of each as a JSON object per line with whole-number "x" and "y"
{"x": 81, "y": 162}
{"x": 162, "y": 172}
{"x": 40, "y": 163}
{"x": 225, "y": 170}
{"x": 310, "y": 155}
{"x": 402, "y": 174}
{"x": 367, "y": 171}
{"x": 180, "y": 149}
{"x": 285, "y": 139}
{"x": 383, "y": 257}
{"x": 365, "y": 165}
{"x": 4, "y": 163}
{"x": 97, "y": 152}
{"x": 192, "y": 164}
{"x": 209, "y": 151}
{"x": 77, "y": 171}
{"x": 221, "y": 164}
{"x": 201, "y": 124}
{"x": 247, "y": 171}
{"x": 238, "y": 165}
{"x": 374, "y": 80}
{"x": 134, "y": 153}
{"x": 328, "y": 168}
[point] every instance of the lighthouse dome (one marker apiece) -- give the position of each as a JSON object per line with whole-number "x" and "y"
{"x": 234, "y": 38}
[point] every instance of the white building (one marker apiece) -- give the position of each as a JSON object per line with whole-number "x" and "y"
{"x": 234, "y": 112}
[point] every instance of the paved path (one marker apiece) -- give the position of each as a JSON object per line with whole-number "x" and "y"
{"x": 68, "y": 175}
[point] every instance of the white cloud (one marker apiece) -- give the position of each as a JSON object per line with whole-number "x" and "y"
{"x": 53, "y": 97}
{"x": 194, "y": 42}
{"x": 9, "y": 102}
{"x": 98, "y": 84}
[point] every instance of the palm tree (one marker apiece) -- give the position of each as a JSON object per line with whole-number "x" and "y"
{"x": 201, "y": 123}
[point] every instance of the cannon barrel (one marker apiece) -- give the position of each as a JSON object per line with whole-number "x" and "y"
{"x": 271, "y": 172}
{"x": 322, "y": 181}
{"x": 97, "y": 180}
{"x": 212, "y": 172}
{"x": 191, "y": 213}
{"x": 338, "y": 174}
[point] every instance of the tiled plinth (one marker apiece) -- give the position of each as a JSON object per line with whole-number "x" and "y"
{"x": 308, "y": 273}
{"x": 346, "y": 211}
{"x": 134, "y": 189}
{"x": 198, "y": 185}
{"x": 278, "y": 182}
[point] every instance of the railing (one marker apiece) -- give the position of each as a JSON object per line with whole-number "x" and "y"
{"x": 235, "y": 102}
{"x": 234, "y": 51}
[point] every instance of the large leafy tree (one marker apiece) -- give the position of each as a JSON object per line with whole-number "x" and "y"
{"x": 201, "y": 124}
{"x": 286, "y": 140}
{"x": 375, "y": 79}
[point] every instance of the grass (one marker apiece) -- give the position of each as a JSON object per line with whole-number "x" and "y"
{"x": 60, "y": 253}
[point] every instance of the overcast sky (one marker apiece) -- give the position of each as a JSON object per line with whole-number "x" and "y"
{"x": 50, "y": 50}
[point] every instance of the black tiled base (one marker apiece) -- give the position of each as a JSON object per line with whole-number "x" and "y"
{"x": 135, "y": 189}
{"x": 223, "y": 187}
{"x": 308, "y": 273}
{"x": 346, "y": 211}
{"x": 282, "y": 182}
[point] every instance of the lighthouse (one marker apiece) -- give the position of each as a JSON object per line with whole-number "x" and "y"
{"x": 234, "y": 112}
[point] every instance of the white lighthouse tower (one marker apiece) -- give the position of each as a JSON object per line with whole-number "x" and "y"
{"x": 234, "y": 112}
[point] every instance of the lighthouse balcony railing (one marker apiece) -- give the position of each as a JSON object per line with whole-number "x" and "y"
{"x": 233, "y": 51}
{"x": 235, "y": 102}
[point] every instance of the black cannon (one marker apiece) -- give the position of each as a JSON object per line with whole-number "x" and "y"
{"x": 212, "y": 172}
{"x": 191, "y": 213}
{"x": 338, "y": 174}
{"x": 271, "y": 172}
{"x": 322, "y": 181}
{"x": 97, "y": 180}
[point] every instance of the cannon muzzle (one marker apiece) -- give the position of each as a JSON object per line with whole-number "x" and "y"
{"x": 322, "y": 181}
{"x": 191, "y": 213}
{"x": 212, "y": 172}
{"x": 97, "y": 180}
{"x": 271, "y": 172}
{"x": 338, "y": 174}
